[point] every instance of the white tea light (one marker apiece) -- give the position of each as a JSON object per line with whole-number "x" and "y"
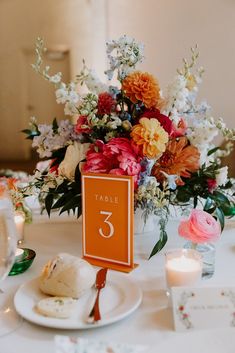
{"x": 19, "y": 219}
{"x": 18, "y": 254}
{"x": 183, "y": 267}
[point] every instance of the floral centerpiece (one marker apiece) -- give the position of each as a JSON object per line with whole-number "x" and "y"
{"x": 163, "y": 139}
{"x": 11, "y": 186}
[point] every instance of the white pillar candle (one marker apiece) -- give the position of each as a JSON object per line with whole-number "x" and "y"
{"x": 183, "y": 269}
{"x": 19, "y": 219}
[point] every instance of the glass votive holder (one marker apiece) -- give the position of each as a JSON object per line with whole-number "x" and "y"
{"x": 19, "y": 218}
{"x": 183, "y": 268}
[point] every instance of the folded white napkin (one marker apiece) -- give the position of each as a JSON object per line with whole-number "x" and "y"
{"x": 65, "y": 344}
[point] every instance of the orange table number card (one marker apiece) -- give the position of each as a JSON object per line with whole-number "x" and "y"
{"x": 108, "y": 216}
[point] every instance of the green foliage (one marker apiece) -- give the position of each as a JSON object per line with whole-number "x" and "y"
{"x": 217, "y": 202}
{"x": 162, "y": 236}
{"x": 66, "y": 197}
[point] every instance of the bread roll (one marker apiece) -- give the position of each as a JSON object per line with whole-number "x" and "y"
{"x": 67, "y": 276}
{"x": 58, "y": 307}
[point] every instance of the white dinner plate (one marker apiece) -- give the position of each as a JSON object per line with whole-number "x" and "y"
{"x": 118, "y": 299}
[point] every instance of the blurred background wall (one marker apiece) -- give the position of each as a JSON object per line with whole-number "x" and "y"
{"x": 76, "y": 29}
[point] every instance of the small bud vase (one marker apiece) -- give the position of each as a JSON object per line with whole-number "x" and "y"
{"x": 140, "y": 227}
{"x": 207, "y": 251}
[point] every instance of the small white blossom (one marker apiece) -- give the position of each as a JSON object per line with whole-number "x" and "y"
{"x": 114, "y": 122}
{"x": 222, "y": 176}
{"x": 94, "y": 84}
{"x": 56, "y": 78}
{"x": 70, "y": 109}
{"x": 74, "y": 154}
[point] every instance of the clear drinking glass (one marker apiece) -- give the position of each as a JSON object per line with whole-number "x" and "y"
{"x": 8, "y": 241}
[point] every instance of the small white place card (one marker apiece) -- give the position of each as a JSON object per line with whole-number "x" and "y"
{"x": 200, "y": 308}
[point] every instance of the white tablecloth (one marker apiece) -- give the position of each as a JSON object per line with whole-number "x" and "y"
{"x": 152, "y": 323}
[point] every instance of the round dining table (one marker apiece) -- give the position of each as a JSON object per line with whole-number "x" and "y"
{"x": 152, "y": 323}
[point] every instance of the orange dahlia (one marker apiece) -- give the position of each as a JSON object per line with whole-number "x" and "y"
{"x": 180, "y": 159}
{"x": 141, "y": 86}
{"x": 149, "y": 137}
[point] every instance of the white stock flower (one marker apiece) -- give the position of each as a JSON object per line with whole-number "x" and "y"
{"x": 61, "y": 94}
{"x": 67, "y": 94}
{"x": 201, "y": 131}
{"x": 74, "y": 154}
{"x": 177, "y": 96}
{"x": 222, "y": 176}
{"x": 123, "y": 54}
{"x": 94, "y": 84}
{"x": 70, "y": 109}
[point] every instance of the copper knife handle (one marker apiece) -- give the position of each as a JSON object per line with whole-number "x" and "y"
{"x": 94, "y": 315}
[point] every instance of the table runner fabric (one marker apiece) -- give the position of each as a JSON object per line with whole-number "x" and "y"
{"x": 65, "y": 344}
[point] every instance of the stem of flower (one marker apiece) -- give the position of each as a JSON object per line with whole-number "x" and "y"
{"x": 194, "y": 246}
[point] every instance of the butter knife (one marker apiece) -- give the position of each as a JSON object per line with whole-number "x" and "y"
{"x": 100, "y": 282}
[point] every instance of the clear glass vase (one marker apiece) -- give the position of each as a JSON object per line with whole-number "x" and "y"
{"x": 207, "y": 252}
{"x": 140, "y": 227}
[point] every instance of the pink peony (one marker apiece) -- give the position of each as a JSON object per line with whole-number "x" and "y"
{"x": 115, "y": 157}
{"x": 201, "y": 227}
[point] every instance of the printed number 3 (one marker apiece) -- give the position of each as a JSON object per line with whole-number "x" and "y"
{"x": 111, "y": 227}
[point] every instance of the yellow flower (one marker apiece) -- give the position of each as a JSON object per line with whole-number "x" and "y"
{"x": 191, "y": 82}
{"x": 149, "y": 137}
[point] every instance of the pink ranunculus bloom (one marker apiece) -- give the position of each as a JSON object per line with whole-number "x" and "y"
{"x": 201, "y": 227}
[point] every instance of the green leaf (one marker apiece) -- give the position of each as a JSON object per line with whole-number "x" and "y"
{"x": 55, "y": 125}
{"x": 213, "y": 150}
{"x": 48, "y": 203}
{"x": 77, "y": 175}
{"x": 26, "y": 131}
{"x": 160, "y": 244}
{"x": 72, "y": 203}
{"x": 220, "y": 215}
{"x": 60, "y": 202}
{"x": 220, "y": 197}
{"x": 208, "y": 204}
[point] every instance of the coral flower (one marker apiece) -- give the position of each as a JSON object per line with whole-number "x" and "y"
{"x": 143, "y": 87}
{"x": 150, "y": 137}
{"x": 179, "y": 159}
